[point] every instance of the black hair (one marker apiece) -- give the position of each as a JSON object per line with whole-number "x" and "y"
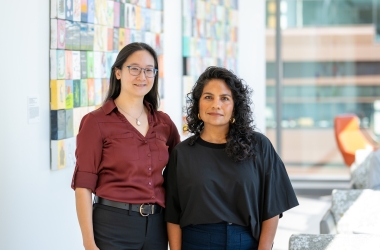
{"x": 115, "y": 85}
{"x": 240, "y": 137}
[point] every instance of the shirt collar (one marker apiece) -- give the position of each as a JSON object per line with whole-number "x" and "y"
{"x": 110, "y": 105}
{"x": 149, "y": 106}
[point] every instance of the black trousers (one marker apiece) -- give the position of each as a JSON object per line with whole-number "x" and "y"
{"x": 119, "y": 229}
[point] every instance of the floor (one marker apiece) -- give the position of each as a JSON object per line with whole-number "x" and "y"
{"x": 313, "y": 186}
{"x": 303, "y": 219}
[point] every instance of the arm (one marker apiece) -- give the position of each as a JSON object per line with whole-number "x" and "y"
{"x": 84, "y": 213}
{"x": 175, "y": 236}
{"x": 88, "y": 154}
{"x": 174, "y": 137}
{"x": 268, "y": 231}
{"x": 278, "y": 193}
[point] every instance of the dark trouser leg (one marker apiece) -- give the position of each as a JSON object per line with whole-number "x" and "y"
{"x": 156, "y": 235}
{"x": 116, "y": 229}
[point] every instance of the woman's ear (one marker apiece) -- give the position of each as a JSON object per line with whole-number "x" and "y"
{"x": 117, "y": 73}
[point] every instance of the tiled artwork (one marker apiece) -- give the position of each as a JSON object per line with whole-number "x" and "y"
{"x": 209, "y": 38}
{"x": 85, "y": 38}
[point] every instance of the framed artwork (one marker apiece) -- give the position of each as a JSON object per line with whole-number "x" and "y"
{"x": 85, "y": 38}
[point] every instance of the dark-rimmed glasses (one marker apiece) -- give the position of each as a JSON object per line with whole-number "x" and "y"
{"x": 135, "y": 71}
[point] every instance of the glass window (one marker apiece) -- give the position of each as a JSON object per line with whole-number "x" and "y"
{"x": 331, "y": 66}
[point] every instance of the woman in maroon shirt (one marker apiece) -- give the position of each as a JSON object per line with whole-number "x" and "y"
{"x": 122, "y": 149}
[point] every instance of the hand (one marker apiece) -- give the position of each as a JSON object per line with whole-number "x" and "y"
{"x": 94, "y": 248}
{"x": 90, "y": 246}
{"x": 265, "y": 247}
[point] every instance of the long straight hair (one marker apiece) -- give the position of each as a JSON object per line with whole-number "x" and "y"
{"x": 115, "y": 85}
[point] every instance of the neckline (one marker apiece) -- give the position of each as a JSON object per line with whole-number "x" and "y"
{"x": 204, "y": 143}
{"x": 125, "y": 120}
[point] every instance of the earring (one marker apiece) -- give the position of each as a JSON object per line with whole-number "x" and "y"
{"x": 199, "y": 117}
{"x": 232, "y": 120}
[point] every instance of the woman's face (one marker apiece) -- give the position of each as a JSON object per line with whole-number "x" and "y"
{"x": 138, "y": 85}
{"x": 216, "y": 104}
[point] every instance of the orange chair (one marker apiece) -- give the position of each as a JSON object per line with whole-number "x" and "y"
{"x": 349, "y": 137}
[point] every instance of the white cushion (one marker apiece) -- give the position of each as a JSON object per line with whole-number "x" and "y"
{"x": 354, "y": 209}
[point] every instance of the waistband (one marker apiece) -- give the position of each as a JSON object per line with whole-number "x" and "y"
{"x": 143, "y": 209}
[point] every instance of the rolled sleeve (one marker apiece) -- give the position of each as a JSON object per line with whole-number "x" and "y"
{"x": 88, "y": 154}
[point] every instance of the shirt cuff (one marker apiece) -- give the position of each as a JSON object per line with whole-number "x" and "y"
{"x": 171, "y": 218}
{"x": 84, "y": 180}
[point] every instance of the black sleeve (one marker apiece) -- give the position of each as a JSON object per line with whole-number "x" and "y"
{"x": 279, "y": 195}
{"x": 172, "y": 207}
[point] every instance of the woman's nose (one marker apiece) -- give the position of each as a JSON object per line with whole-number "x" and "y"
{"x": 142, "y": 75}
{"x": 216, "y": 103}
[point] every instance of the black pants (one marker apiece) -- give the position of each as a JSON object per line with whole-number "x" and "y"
{"x": 119, "y": 229}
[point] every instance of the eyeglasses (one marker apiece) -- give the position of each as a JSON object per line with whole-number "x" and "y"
{"x": 135, "y": 71}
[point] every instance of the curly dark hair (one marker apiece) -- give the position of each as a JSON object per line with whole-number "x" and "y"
{"x": 240, "y": 137}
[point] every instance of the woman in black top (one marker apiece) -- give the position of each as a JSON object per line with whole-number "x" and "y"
{"x": 225, "y": 186}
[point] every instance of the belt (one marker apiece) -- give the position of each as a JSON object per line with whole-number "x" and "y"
{"x": 143, "y": 209}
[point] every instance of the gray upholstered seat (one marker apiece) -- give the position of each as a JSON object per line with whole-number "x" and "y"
{"x": 334, "y": 242}
{"x": 366, "y": 174}
{"x": 353, "y": 211}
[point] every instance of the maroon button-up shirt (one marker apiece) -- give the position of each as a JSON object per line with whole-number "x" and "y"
{"x": 117, "y": 162}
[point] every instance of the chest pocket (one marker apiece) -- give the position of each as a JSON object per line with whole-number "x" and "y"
{"x": 124, "y": 147}
{"x": 163, "y": 153}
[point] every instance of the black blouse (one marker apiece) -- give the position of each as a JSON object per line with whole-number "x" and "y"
{"x": 204, "y": 185}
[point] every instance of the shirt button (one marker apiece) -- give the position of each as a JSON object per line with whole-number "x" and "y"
{"x": 153, "y": 197}
{"x": 145, "y": 142}
{"x": 149, "y": 169}
{"x": 148, "y": 155}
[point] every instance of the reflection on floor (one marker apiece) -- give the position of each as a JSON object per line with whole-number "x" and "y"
{"x": 303, "y": 219}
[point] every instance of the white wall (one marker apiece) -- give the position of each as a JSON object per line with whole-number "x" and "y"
{"x": 251, "y": 37}
{"x": 173, "y": 60}
{"x": 37, "y": 208}
{"x": 37, "y": 205}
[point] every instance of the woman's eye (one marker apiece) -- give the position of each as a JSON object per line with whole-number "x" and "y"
{"x": 225, "y": 98}
{"x": 207, "y": 97}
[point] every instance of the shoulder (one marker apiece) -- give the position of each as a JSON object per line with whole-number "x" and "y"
{"x": 90, "y": 117}
{"x": 261, "y": 139}
{"x": 267, "y": 154}
{"x": 97, "y": 113}
{"x": 263, "y": 146}
{"x": 94, "y": 116}
{"x": 162, "y": 116}
{"x": 183, "y": 146}
{"x": 103, "y": 114}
